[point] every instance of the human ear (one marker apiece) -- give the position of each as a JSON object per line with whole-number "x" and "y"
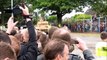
{"x": 59, "y": 57}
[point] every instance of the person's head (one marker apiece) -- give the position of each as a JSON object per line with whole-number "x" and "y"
{"x": 25, "y": 35}
{"x": 42, "y": 39}
{"x": 6, "y": 52}
{"x": 4, "y": 37}
{"x": 51, "y": 30}
{"x": 104, "y": 36}
{"x": 19, "y": 37}
{"x": 65, "y": 27}
{"x": 56, "y": 50}
{"x": 63, "y": 34}
{"x": 15, "y": 44}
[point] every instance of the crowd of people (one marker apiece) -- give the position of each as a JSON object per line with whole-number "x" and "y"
{"x": 31, "y": 44}
{"x": 86, "y": 26}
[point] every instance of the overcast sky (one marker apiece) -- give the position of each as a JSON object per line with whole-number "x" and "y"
{"x": 69, "y": 15}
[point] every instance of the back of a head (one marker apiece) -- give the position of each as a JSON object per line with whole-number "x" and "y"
{"x": 42, "y": 39}
{"x": 103, "y": 35}
{"x": 15, "y": 44}
{"x": 19, "y": 37}
{"x": 4, "y": 37}
{"x": 63, "y": 34}
{"x": 25, "y": 35}
{"x": 51, "y": 30}
{"x": 6, "y": 52}
{"x": 53, "y": 48}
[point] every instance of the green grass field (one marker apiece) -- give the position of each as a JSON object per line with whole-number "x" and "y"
{"x": 87, "y": 34}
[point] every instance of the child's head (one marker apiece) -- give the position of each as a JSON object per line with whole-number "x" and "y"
{"x": 103, "y": 36}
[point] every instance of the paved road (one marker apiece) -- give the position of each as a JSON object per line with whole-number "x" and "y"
{"x": 90, "y": 41}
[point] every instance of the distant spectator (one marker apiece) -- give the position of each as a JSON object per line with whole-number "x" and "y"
{"x": 101, "y": 47}
{"x": 104, "y": 36}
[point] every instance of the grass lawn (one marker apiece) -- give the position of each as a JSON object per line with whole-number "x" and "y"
{"x": 90, "y": 38}
{"x": 92, "y": 34}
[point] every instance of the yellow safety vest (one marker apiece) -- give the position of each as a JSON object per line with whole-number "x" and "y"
{"x": 101, "y": 50}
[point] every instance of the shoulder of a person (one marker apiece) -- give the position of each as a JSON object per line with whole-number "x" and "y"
{"x": 40, "y": 57}
{"x": 74, "y": 57}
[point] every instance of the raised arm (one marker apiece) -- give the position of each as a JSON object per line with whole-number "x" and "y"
{"x": 29, "y": 51}
{"x": 10, "y": 25}
{"x": 86, "y": 52}
{"x": 31, "y": 31}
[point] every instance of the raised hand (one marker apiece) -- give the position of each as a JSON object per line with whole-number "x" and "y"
{"x": 25, "y": 12}
{"x": 24, "y": 9}
{"x": 10, "y": 25}
{"x": 81, "y": 45}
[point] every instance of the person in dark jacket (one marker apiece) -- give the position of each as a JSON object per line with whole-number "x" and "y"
{"x": 29, "y": 50}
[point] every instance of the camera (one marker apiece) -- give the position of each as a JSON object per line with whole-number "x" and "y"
{"x": 16, "y": 10}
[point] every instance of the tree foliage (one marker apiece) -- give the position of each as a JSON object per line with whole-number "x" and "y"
{"x": 59, "y": 7}
{"x": 82, "y": 16}
{"x": 77, "y": 18}
{"x": 4, "y": 4}
{"x": 52, "y": 18}
{"x": 100, "y": 6}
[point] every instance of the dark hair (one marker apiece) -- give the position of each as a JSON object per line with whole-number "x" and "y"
{"x": 13, "y": 32}
{"x": 4, "y": 37}
{"x": 6, "y": 51}
{"x": 103, "y": 35}
{"x": 53, "y": 48}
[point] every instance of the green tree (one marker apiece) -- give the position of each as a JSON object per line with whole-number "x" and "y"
{"x": 52, "y": 18}
{"x": 5, "y": 6}
{"x": 59, "y": 7}
{"x": 99, "y": 6}
{"x": 81, "y": 17}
